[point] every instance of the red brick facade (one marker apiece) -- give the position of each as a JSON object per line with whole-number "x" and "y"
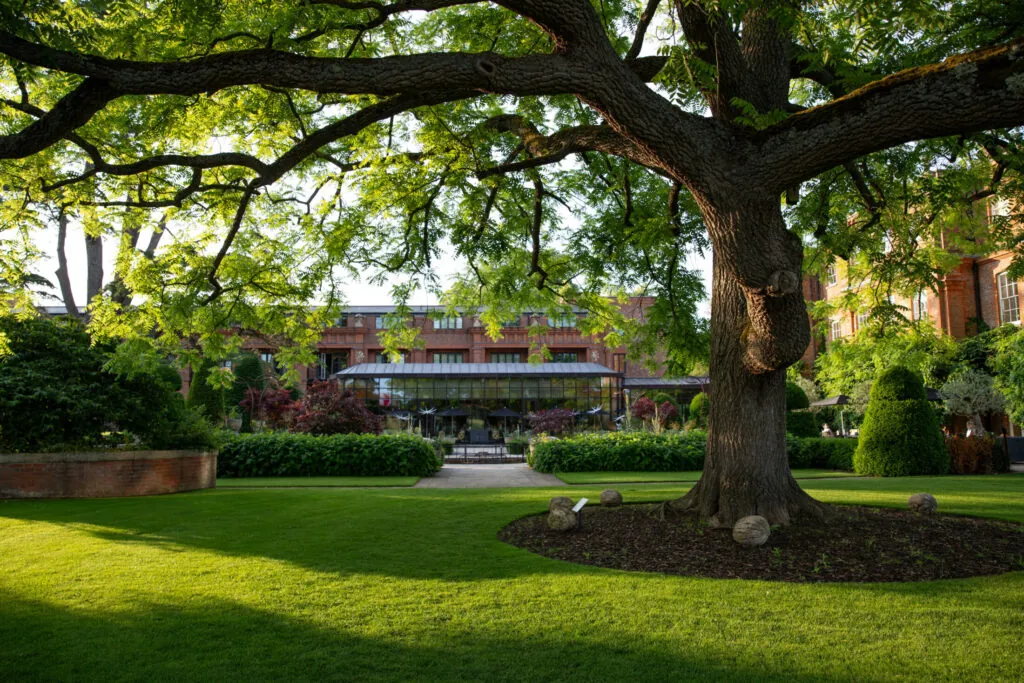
{"x": 355, "y": 340}
{"x": 105, "y": 474}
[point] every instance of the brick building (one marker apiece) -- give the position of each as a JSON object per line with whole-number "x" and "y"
{"x": 459, "y": 366}
{"x": 978, "y": 290}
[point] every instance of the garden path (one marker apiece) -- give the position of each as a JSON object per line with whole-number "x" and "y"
{"x": 487, "y": 477}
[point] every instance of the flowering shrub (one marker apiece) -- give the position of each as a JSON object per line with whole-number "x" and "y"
{"x": 326, "y": 410}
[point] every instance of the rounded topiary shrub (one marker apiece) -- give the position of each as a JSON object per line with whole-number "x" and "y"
{"x": 700, "y": 406}
{"x": 900, "y": 435}
{"x": 796, "y": 399}
{"x": 804, "y": 425}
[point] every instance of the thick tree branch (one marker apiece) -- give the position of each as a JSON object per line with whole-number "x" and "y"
{"x": 976, "y": 91}
{"x": 73, "y": 110}
{"x": 549, "y": 149}
{"x": 641, "y": 29}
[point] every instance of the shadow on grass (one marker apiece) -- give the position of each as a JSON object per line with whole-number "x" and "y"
{"x": 222, "y": 641}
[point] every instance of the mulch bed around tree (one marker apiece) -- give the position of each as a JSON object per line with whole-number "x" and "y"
{"x": 855, "y": 544}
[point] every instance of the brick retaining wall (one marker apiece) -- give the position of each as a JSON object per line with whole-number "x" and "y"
{"x": 105, "y": 474}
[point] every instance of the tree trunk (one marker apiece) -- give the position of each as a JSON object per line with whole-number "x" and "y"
{"x": 63, "y": 277}
{"x": 94, "y": 267}
{"x": 757, "y": 329}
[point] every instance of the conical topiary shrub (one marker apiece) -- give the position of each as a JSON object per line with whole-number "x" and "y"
{"x": 900, "y": 435}
{"x": 202, "y": 395}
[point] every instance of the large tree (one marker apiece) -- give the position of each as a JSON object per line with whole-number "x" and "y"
{"x": 427, "y": 110}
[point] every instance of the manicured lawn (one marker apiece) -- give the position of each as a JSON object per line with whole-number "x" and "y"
{"x": 292, "y": 482}
{"x": 657, "y": 477}
{"x": 412, "y": 584}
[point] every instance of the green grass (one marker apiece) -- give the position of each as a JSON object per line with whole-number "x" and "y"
{"x": 658, "y": 477}
{"x": 292, "y": 482}
{"x": 413, "y": 585}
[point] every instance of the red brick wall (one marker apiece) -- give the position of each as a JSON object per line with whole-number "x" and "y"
{"x": 105, "y": 474}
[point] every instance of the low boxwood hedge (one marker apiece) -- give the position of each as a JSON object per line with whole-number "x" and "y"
{"x": 338, "y": 455}
{"x": 672, "y": 452}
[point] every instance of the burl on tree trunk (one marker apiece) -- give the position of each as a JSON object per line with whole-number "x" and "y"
{"x": 759, "y": 326}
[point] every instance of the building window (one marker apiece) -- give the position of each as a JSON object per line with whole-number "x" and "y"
{"x": 448, "y": 357}
{"x": 837, "y": 329}
{"x": 507, "y": 357}
{"x": 514, "y": 322}
{"x": 448, "y": 323}
{"x": 342, "y": 321}
{"x": 1009, "y": 299}
{"x": 379, "y": 322}
{"x": 862, "y": 319}
{"x": 833, "y": 277}
{"x": 565, "y": 357}
{"x": 619, "y": 362}
{"x": 330, "y": 364}
{"x": 563, "y": 321}
{"x": 268, "y": 359}
{"x": 384, "y": 358}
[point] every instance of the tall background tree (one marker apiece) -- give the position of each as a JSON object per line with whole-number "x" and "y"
{"x": 541, "y": 139}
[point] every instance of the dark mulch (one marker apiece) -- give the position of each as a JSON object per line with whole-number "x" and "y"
{"x": 854, "y": 544}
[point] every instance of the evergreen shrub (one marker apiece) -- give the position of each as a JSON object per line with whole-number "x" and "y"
{"x": 796, "y": 399}
{"x": 669, "y": 452}
{"x": 203, "y": 396}
{"x": 900, "y": 435}
{"x": 622, "y": 451}
{"x": 338, "y": 455}
{"x": 802, "y": 424}
{"x": 700, "y": 406}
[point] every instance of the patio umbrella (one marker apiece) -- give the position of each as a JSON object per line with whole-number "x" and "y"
{"x": 452, "y": 413}
{"x": 933, "y": 394}
{"x": 840, "y": 400}
{"x": 505, "y": 413}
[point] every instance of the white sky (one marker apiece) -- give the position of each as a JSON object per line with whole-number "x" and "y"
{"x": 357, "y": 293}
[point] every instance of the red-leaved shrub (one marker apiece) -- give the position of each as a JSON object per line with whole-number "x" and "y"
{"x": 970, "y": 454}
{"x": 554, "y": 421}
{"x": 274, "y": 406}
{"x": 326, "y": 410}
{"x": 645, "y": 409}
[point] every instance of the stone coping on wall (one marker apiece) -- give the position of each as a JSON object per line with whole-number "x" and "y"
{"x": 98, "y": 456}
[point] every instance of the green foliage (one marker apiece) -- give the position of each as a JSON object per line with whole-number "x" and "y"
{"x": 920, "y": 348}
{"x": 56, "y": 393}
{"x": 833, "y": 454}
{"x": 900, "y": 435}
{"x": 626, "y": 451}
{"x": 803, "y": 424}
{"x": 339, "y": 455}
{"x": 669, "y": 452}
{"x": 248, "y": 374}
{"x": 796, "y": 399}
{"x": 1009, "y": 366}
{"x": 203, "y": 396}
{"x": 700, "y": 407}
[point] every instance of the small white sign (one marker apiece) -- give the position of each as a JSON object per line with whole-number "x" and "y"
{"x": 579, "y": 506}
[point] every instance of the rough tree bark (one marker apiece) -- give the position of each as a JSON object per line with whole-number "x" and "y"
{"x": 756, "y": 332}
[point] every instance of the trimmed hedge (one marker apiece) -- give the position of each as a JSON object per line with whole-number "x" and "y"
{"x": 900, "y": 435}
{"x": 819, "y": 453}
{"x": 796, "y": 398}
{"x": 802, "y": 424}
{"x": 338, "y": 455}
{"x": 673, "y": 452}
{"x": 621, "y": 451}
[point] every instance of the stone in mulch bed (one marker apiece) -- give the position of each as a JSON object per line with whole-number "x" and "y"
{"x": 855, "y": 544}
